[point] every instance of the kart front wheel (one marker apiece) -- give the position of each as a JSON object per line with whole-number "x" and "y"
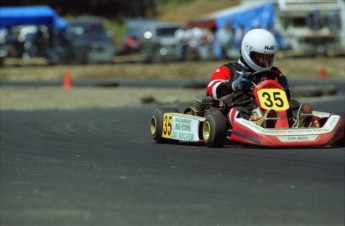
{"x": 214, "y": 130}
{"x": 156, "y": 124}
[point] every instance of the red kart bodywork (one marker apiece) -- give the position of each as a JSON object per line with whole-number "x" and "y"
{"x": 328, "y": 130}
{"x": 244, "y": 131}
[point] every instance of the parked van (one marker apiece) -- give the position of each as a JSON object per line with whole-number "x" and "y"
{"x": 86, "y": 41}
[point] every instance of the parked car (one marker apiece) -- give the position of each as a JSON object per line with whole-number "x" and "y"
{"x": 86, "y": 41}
{"x": 150, "y": 40}
{"x": 159, "y": 42}
{"x": 133, "y": 39}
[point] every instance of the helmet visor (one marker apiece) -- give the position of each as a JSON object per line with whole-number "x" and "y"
{"x": 262, "y": 60}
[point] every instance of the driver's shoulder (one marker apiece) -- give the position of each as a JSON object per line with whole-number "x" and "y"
{"x": 276, "y": 70}
{"x": 233, "y": 67}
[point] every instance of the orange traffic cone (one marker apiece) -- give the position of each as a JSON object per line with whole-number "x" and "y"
{"x": 67, "y": 81}
{"x": 323, "y": 73}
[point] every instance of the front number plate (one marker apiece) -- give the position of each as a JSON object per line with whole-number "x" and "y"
{"x": 273, "y": 99}
{"x": 179, "y": 128}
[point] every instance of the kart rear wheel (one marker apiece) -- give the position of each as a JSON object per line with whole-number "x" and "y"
{"x": 341, "y": 142}
{"x": 214, "y": 130}
{"x": 156, "y": 124}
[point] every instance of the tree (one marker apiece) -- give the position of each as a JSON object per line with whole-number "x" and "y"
{"x": 106, "y": 8}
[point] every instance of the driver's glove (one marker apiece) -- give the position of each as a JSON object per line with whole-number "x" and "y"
{"x": 242, "y": 82}
{"x": 282, "y": 80}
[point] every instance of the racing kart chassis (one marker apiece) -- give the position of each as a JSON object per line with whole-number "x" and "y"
{"x": 207, "y": 123}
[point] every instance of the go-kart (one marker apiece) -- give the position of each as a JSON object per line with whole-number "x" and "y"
{"x": 206, "y": 122}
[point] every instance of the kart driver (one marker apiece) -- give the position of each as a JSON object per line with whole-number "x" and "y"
{"x": 231, "y": 84}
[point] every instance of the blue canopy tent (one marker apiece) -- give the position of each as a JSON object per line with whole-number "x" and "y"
{"x": 38, "y": 16}
{"x": 247, "y": 16}
{"x": 31, "y": 15}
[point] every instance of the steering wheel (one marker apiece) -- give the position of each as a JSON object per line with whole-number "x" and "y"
{"x": 265, "y": 74}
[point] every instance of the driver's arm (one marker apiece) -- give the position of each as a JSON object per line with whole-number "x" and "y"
{"x": 217, "y": 87}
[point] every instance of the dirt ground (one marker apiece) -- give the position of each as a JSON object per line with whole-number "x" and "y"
{"x": 292, "y": 67}
{"x": 58, "y": 97}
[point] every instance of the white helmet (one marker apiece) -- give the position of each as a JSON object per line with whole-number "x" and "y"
{"x": 258, "y": 49}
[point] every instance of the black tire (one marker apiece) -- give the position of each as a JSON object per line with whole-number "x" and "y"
{"x": 156, "y": 123}
{"x": 341, "y": 142}
{"x": 190, "y": 111}
{"x": 214, "y": 130}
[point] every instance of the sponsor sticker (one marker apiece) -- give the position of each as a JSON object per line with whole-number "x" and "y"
{"x": 297, "y": 138}
{"x": 179, "y": 128}
{"x": 327, "y": 128}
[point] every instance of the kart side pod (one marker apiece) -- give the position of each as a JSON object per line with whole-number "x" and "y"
{"x": 167, "y": 125}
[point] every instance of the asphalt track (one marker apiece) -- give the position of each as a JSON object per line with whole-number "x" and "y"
{"x": 100, "y": 167}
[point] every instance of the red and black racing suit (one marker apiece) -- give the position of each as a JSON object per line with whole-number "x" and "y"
{"x": 244, "y": 102}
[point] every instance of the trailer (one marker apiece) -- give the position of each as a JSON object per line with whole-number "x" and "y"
{"x": 311, "y": 26}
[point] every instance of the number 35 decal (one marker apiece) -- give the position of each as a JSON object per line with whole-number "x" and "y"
{"x": 273, "y": 99}
{"x": 167, "y": 126}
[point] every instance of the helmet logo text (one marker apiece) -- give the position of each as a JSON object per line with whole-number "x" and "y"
{"x": 269, "y": 47}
